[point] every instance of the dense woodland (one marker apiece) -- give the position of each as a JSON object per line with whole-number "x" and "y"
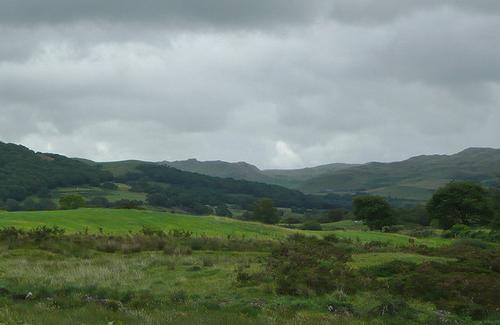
{"x": 24, "y": 173}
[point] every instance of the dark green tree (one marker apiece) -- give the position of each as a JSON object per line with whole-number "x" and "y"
{"x": 70, "y": 202}
{"x": 45, "y": 204}
{"x": 460, "y": 203}
{"x": 12, "y": 205}
{"x": 495, "y": 204}
{"x": 335, "y": 215}
{"x": 109, "y": 186}
{"x": 266, "y": 212}
{"x": 375, "y": 211}
{"x": 223, "y": 211}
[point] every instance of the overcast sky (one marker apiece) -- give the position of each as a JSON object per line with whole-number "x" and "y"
{"x": 277, "y": 83}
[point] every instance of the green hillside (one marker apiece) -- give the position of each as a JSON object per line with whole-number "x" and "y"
{"x": 24, "y": 172}
{"x": 290, "y": 178}
{"x": 293, "y": 178}
{"x": 124, "y": 221}
{"x": 412, "y": 179}
{"x": 240, "y": 170}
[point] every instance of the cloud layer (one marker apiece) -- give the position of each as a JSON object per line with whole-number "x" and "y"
{"x": 277, "y": 83}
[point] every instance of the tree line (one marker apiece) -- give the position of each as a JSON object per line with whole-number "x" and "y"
{"x": 457, "y": 203}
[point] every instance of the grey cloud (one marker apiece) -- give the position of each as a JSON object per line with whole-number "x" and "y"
{"x": 381, "y": 80}
{"x": 230, "y": 13}
{"x": 222, "y": 13}
{"x": 384, "y": 11}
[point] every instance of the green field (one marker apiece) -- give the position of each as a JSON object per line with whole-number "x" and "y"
{"x": 122, "y": 193}
{"x": 116, "y": 221}
{"x": 123, "y": 221}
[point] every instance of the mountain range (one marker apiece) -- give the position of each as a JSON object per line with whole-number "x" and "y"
{"x": 23, "y": 171}
{"x": 414, "y": 179}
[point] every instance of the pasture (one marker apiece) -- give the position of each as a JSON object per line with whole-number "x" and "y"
{"x": 116, "y": 221}
{"x": 106, "y": 270}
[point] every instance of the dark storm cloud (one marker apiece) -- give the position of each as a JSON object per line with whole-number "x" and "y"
{"x": 280, "y": 83}
{"x": 382, "y": 11}
{"x": 223, "y": 13}
{"x": 230, "y": 13}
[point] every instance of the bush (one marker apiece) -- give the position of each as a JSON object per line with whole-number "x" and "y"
{"x": 391, "y": 268}
{"x": 453, "y": 286}
{"x": 223, "y": 211}
{"x": 179, "y": 296}
{"x": 109, "y": 186}
{"x": 99, "y": 202}
{"x": 336, "y": 215}
{"x": 304, "y": 266}
{"x": 311, "y": 225}
{"x": 393, "y": 229}
{"x": 71, "y": 202}
{"x": 127, "y": 204}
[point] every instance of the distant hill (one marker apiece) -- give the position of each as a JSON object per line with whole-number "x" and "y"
{"x": 409, "y": 181}
{"x": 291, "y": 178}
{"x": 239, "y": 170}
{"x": 24, "y": 172}
{"x": 412, "y": 179}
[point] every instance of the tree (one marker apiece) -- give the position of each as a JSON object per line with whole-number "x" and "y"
{"x": 223, "y": 211}
{"x": 336, "y": 215}
{"x": 30, "y": 205}
{"x": 71, "y": 202}
{"x": 99, "y": 202}
{"x": 127, "y": 204}
{"x": 495, "y": 200}
{"x": 460, "y": 203}
{"x": 266, "y": 212}
{"x": 46, "y": 204}
{"x": 375, "y": 211}
{"x": 109, "y": 186}
{"x": 413, "y": 215}
{"x": 12, "y": 205}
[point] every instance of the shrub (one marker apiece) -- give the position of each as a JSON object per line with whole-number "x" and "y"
{"x": 207, "y": 261}
{"x": 453, "y": 286}
{"x": 291, "y": 221}
{"x": 304, "y": 266}
{"x": 178, "y": 296}
{"x": 127, "y": 204}
{"x": 109, "y": 186}
{"x": 312, "y": 225}
{"x": 70, "y": 202}
{"x": 391, "y": 268}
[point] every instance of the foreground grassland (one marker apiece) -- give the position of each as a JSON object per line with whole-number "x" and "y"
{"x": 156, "y": 289}
{"x": 124, "y": 221}
{"x": 108, "y": 269}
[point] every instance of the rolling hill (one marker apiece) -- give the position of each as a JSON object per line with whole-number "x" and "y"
{"x": 239, "y": 170}
{"x": 291, "y": 178}
{"x": 412, "y": 179}
{"x": 24, "y": 172}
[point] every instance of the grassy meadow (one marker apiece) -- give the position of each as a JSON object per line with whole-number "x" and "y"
{"x": 104, "y": 270}
{"x": 116, "y": 221}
